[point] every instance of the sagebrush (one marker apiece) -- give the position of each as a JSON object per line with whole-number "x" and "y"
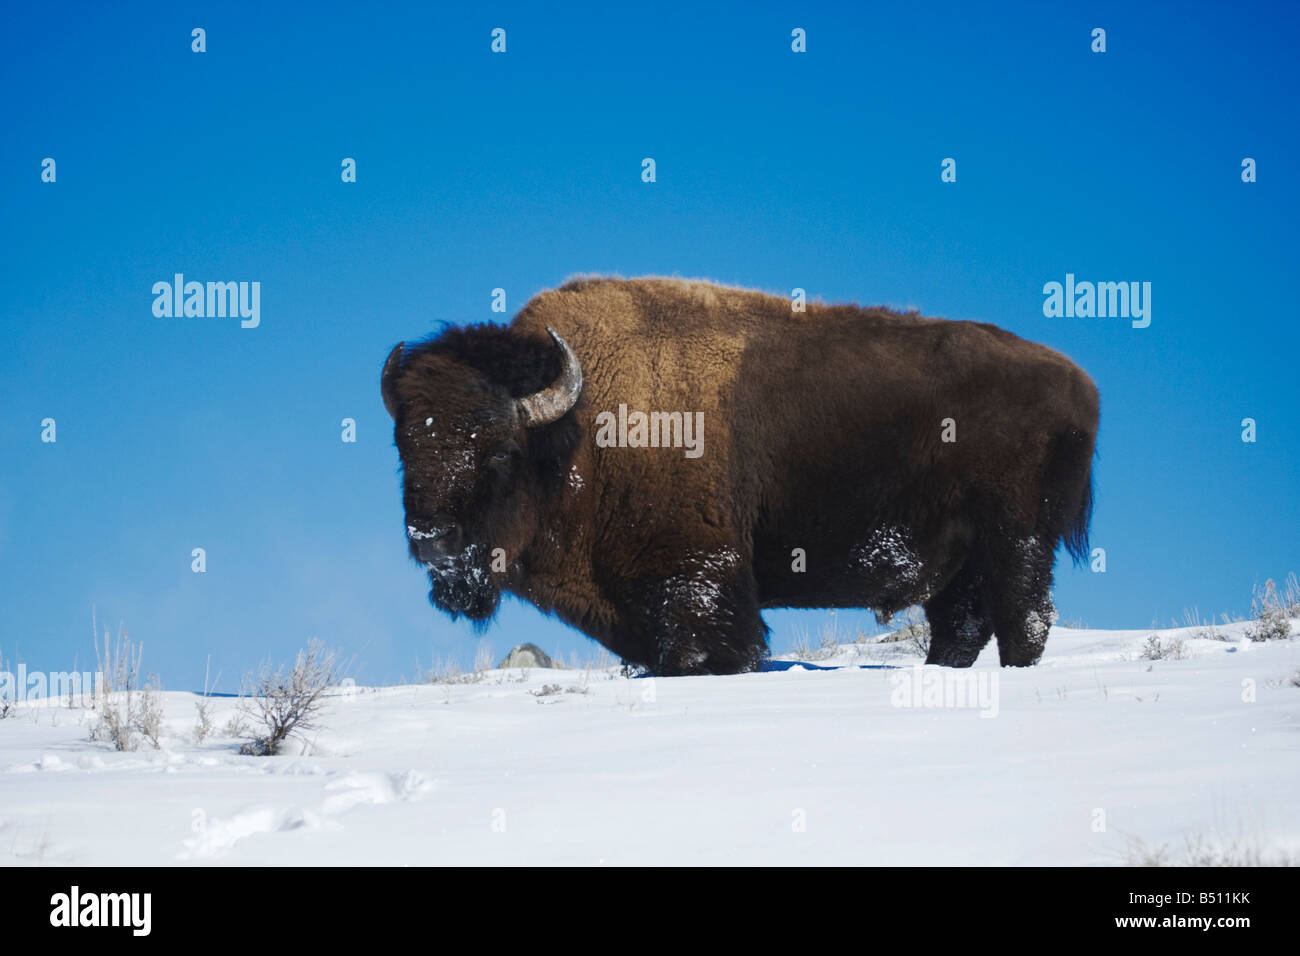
{"x": 285, "y": 702}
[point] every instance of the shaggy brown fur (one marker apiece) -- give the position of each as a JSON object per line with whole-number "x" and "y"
{"x": 822, "y": 437}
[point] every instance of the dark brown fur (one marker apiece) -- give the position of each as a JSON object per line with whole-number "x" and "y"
{"x": 822, "y": 432}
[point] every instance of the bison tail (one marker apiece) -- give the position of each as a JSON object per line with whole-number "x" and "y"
{"x": 1068, "y": 478}
{"x": 1076, "y": 536}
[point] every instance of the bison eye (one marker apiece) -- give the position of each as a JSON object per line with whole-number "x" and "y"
{"x": 499, "y": 459}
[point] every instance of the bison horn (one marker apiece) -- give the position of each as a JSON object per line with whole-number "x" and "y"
{"x": 388, "y": 379}
{"x": 548, "y": 405}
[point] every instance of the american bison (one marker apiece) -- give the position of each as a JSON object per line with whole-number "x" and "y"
{"x": 842, "y": 457}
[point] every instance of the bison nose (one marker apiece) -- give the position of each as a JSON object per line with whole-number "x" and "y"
{"x": 436, "y": 545}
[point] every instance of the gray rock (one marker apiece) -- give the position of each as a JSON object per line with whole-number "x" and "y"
{"x": 527, "y": 655}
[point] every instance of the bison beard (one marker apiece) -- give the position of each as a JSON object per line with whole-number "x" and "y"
{"x": 832, "y": 477}
{"x": 464, "y": 587}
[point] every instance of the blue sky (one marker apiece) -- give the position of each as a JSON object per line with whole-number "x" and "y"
{"x": 478, "y": 170}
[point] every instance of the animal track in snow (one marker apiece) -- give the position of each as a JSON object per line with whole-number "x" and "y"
{"x": 217, "y": 835}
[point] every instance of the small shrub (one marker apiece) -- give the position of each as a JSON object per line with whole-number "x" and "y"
{"x": 1272, "y": 612}
{"x": 1139, "y": 853}
{"x": 237, "y": 726}
{"x": 126, "y": 708}
{"x": 148, "y": 717}
{"x": 1165, "y": 649}
{"x": 287, "y": 703}
{"x": 915, "y": 633}
{"x": 203, "y": 725}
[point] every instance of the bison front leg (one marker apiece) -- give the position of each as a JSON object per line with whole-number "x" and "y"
{"x": 700, "y": 621}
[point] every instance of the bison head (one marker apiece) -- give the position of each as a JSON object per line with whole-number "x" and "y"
{"x": 468, "y": 407}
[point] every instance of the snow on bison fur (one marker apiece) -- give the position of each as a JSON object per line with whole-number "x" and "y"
{"x": 843, "y": 457}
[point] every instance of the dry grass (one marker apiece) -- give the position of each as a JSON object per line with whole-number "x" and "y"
{"x": 830, "y": 637}
{"x": 1202, "y": 629}
{"x": 1198, "y": 851}
{"x": 448, "y": 671}
{"x": 130, "y": 706}
{"x": 601, "y": 662}
{"x": 7, "y": 707}
{"x": 203, "y": 726}
{"x": 1272, "y": 609}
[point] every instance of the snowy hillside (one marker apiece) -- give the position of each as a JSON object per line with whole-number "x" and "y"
{"x": 1069, "y": 762}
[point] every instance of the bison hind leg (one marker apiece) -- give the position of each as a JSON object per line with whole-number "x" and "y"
{"x": 960, "y": 624}
{"x": 1019, "y": 595}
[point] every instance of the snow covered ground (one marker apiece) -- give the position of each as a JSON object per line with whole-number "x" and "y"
{"x": 1068, "y": 762}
